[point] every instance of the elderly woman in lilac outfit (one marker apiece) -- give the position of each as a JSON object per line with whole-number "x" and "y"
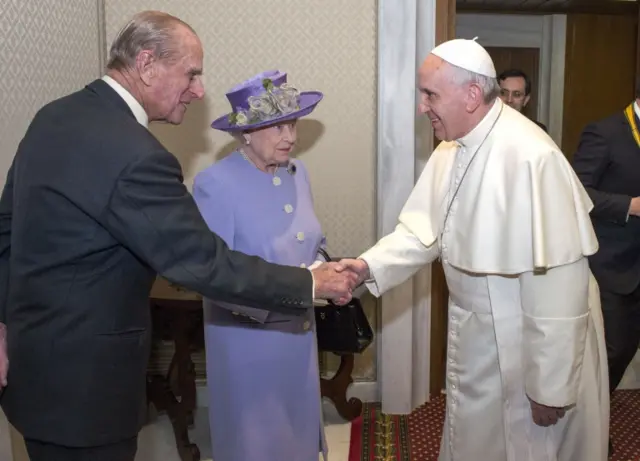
{"x": 262, "y": 368}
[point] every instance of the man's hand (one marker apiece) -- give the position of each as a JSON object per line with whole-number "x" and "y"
{"x": 358, "y": 266}
{"x": 546, "y": 416}
{"x": 634, "y": 207}
{"x": 4, "y": 358}
{"x": 333, "y": 282}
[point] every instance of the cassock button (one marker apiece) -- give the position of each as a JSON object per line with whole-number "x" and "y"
{"x": 277, "y": 181}
{"x": 303, "y": 265}
{"x": 300, "y": 236}
{"x": 288, "y": 208}
{"x": 306, "y": 325}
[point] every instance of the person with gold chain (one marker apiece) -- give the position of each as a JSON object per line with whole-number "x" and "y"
{"x": 608, "y": 164}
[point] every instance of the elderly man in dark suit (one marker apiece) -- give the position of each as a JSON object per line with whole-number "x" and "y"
{"x": 93, "y": 208}
{"x": 608, "y": 164}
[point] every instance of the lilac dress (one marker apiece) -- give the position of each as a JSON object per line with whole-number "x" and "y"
{"x": 263, "y": 379}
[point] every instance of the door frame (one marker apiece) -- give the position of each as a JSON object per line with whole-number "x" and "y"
{"x": 445, "y": 30}
{"x": 545, "y": 32}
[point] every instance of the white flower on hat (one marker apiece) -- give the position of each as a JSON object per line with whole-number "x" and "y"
{"x": 241, "y": 119}
{"x": 262, "y": 107}
{"x": 286, "y": 98}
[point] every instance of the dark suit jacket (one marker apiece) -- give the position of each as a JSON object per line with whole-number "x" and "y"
{"x": 541, "y": 125}
{"x": 93, "y": 208}
{"x": 608, "y": 164}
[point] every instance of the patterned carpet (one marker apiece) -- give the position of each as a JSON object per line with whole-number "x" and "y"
{"x": 379, "y": 437}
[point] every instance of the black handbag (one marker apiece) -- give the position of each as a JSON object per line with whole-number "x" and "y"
{"x": 342, "y": 329}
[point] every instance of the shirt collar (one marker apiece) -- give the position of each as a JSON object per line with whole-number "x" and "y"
{"x": 636, "y": 108}
{"x": 137, "y": 109}
{"x": 477, "y": 135}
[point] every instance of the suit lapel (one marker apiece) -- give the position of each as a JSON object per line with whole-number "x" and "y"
{"x": 105, "y": 92}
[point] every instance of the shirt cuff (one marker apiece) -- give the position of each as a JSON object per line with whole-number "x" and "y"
{"x": 313, "y": 285}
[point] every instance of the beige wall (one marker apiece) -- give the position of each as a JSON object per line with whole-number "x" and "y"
{"x": 48, "y": 48}
{"x": 327, "y": 45}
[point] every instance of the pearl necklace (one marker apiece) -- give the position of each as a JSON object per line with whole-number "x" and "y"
{"x": 291, "y": 167}
{"x": 246, "y": 157}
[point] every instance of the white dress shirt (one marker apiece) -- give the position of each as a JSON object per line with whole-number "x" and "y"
{"x": 134, "y": 105}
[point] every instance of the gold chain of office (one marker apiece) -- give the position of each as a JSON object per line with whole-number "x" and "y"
{"x": 628, "y": 112}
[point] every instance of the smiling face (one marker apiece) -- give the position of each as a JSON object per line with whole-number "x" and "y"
{"x": 171, "y": 84}
{"x": 451, "y": 98}
{"x": 444, "y": 102}
{"x": 272, "y": 145}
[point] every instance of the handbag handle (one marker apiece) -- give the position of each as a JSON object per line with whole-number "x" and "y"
{"x": 324, "y": 254}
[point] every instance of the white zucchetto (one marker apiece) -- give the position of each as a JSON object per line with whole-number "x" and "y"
{"x": 467, "y": 54}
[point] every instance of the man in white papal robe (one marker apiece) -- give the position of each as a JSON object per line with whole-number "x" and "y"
{"x": 502, "y": 208}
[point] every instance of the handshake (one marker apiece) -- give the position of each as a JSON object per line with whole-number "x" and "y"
{"x": 337, "y": 280}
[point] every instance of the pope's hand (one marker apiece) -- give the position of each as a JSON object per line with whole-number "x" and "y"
{"x": 4, "y": 358}
{"x": 545, "y": 416}
{"x": 359, "y": 267}
{"x": 333, "y": 282}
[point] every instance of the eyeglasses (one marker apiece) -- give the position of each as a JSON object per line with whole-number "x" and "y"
{"x": 514, "y": 94}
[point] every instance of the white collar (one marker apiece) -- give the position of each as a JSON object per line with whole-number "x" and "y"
{"x": 134, "y": 105}
{"x": 480, "y": 131}
{"x": 636, "y": 108}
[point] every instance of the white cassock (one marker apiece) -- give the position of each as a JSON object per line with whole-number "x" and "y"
{"x": 524, "y": 309}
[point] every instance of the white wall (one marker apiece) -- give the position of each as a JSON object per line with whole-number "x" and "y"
{"x": 548, "y": 33}
{"x": 48, "y": 48}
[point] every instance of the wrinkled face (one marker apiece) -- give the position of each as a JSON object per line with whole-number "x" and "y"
{"x": 445, "y": 102}
{"x": 173, "y": 84}
{"x": 273, "y": 144}
{"x": 512, "y": 92}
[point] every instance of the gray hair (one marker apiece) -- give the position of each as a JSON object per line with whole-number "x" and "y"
{"x": 489, "y": 86}
{"x": 147, "y": 30}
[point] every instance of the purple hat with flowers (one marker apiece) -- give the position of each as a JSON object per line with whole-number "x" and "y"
{"x": 263, "y": 100}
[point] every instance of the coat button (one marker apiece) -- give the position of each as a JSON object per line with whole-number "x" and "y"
{"x": 288, "y": 208}
{"x": 306, "y": 325}
{"x": 277, "y": 181}
{"x": 300, "y": 236}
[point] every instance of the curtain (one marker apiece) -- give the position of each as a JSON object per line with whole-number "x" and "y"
{"x": 406, "y": 34}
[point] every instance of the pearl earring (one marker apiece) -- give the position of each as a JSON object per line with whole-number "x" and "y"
{"x": 247, "y": 141}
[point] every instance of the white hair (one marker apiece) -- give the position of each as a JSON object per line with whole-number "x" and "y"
{"x": 489, "y": 86}
{"x": 147, "y": 30}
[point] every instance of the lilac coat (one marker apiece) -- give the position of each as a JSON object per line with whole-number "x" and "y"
{"x": 263, "y": 379}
